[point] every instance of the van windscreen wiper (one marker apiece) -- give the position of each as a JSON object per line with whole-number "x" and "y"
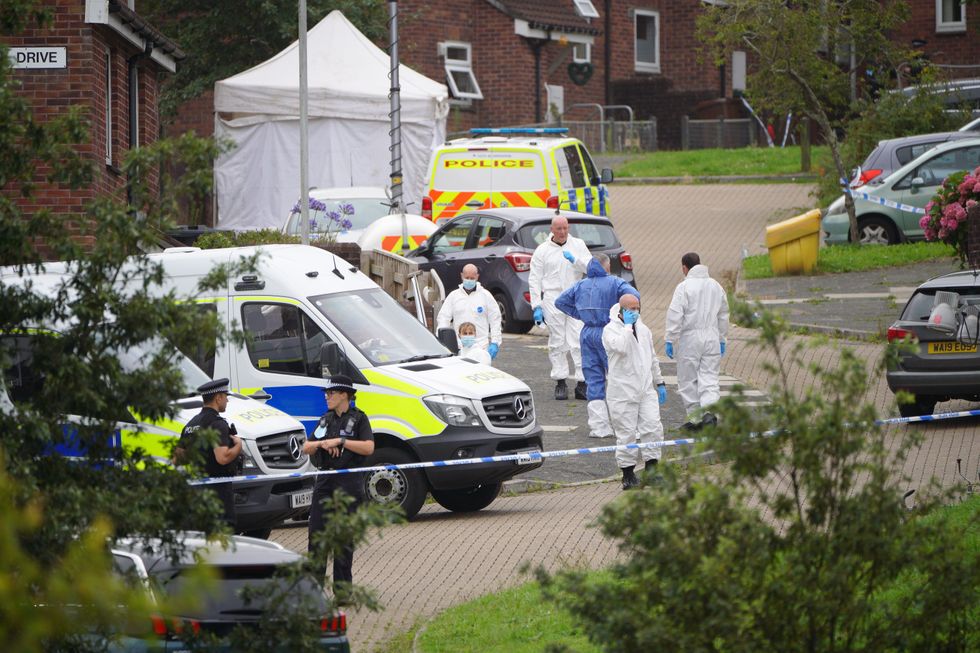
{"x": 422, "y": 357}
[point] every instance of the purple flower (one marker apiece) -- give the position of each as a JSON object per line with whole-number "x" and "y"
{"x": 346, "y": 224}
{"x": 347, "y": 208}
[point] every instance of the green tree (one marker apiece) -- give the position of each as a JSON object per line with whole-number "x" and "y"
{"x": 794, "y": 542}
{"x": 806, "y": 55}
{"x": 55, "y": 511}
{"x": 229, "y": 36}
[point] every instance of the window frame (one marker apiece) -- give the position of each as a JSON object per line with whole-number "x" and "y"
{"x": 451, "y": 65}
{"x": 646, "y": 66}
{"x": 588, "y": 52}
{"x": 943, "y": 27}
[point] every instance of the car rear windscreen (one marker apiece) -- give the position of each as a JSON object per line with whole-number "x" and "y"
{"x": 920, "y": 305}
{"x": 596, "y": 235}
{"x": 486, "y": 170}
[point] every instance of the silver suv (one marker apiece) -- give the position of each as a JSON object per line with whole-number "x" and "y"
{"x": 938, "y": 367}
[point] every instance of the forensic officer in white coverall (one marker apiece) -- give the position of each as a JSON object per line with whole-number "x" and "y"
{"x": 471, "y": 302}
{"x": 634, "y": 388}
{"x": 556, "y": 265}
{"x": 697, "y": 328}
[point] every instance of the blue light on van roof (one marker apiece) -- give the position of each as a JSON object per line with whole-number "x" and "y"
{"x": 489, "y": 131}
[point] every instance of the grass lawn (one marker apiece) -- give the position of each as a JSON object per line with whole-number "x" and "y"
{"x": 520, "y": 620}
{"x": 716, "y": 162}
{"x": 855, "y": 258}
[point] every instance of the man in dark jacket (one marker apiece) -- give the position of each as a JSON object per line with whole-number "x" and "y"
{"x": 342, "y": 440}
{"x": 589, "y": 300}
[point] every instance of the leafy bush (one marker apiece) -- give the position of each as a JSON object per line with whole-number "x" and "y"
{"x": 892, "y": 115}
{"x": 219, "y": 239}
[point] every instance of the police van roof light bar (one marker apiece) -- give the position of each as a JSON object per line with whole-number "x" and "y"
{"x": 487, "y": 131}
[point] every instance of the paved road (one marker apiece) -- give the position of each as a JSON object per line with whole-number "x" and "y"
{"x": 421, "y": 568}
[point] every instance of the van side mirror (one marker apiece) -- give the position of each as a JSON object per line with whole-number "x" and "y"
{"x": 607, "y": 176}
{"x": 448, "y": 338}
{"x": 329, "y": 359}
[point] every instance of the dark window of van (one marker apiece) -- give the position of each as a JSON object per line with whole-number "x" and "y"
{"x": 281, "y": 338}
{"x": 576, "y": 172}
{"x": 591, "y": 176}
{"x": 204, "y": 352}
{"x": 20, "y": 376}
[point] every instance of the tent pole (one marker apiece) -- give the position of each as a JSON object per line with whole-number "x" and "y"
{"x": 397, "y": 200}
{"x": 304, "y": 145}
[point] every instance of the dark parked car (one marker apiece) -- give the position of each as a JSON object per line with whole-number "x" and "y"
{"x": 500, "y": 243}
{"x": 246, "y": 562}
{"x": 938, "y": 368}
{"x": 893, "y": 153}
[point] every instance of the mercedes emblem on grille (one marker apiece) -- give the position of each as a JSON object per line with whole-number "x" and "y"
{"x": 520, "y": 410}
{"x": 294, "y": 448}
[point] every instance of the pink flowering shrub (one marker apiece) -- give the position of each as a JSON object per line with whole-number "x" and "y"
{"x": 946, "y": 214}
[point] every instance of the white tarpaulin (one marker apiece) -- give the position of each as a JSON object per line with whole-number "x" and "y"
{"x": 257, "y": 182}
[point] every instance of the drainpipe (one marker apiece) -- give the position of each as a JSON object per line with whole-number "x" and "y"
{"x": 132, "y": 71}
{"x": 607, "y": 51}
{"x": 536, "y": 45}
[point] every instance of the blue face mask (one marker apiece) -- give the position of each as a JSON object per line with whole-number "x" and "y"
{"x": 467, "y": 341}
{"x": 469, "y": 284}
{"x": 630, "y": 316}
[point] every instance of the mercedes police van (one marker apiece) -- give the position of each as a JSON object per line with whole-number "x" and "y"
{"x": 512, "y": 166}
{"x": 307, "y": 314}
{"x": 271, "y": 439}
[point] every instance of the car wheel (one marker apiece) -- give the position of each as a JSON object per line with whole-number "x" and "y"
{"x": 508, "y": 322}
{"x": 875, "y": 230}
{"x": 405, "y": 487}
{"x": 468, "y": 499}
{"x": 920, "y": 406}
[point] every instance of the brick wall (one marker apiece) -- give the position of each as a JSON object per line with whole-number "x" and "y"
{"x": 82, "y": 84}
{"x": 961, "y": 48}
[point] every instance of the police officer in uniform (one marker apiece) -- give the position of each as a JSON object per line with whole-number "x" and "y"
{"x": 222, "y": 460}
{"x": 341, "y": 440}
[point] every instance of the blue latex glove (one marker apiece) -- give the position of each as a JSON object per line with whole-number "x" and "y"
{"x": 661, "y": 393}
{"x": 722, "y": 349}
{"x": 539, "y": 316}
{"x": 568, "y": 256}
{"x": 669, "y": 348}
{"x": 493, "y": 349}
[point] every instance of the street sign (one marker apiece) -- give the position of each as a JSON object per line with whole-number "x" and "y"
{"x": 39, "y": 57}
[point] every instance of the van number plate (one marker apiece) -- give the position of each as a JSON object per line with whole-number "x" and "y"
{"x": 951, "y": 348}
{"x": 301, "y": 499}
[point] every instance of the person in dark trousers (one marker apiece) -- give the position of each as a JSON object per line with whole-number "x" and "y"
{"x": 342, "y": 440}
{"x": 221, "y": 460}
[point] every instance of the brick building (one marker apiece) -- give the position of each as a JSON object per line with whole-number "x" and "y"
{"x": 945, "y": 31}
{"x": 101, "y": 56}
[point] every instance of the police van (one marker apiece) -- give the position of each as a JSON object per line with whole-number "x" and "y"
{"x": 307, "y": 314}
{"x": 495, "y": 168}
{"x": 271, "y": 439}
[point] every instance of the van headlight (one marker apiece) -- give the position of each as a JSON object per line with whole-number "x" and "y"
{"x": 837, "y": 207}
{"x": 248, "y": 462}
{"x": 453, "y": 410}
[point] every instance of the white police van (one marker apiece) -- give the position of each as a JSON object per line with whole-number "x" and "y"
{"x": 307, "y": 314}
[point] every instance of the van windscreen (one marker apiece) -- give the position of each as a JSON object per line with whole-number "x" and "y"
{"x": 380, "y": 329}
{"x": 486, "y": 170}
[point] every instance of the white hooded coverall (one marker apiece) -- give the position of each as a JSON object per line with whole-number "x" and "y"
{"x": 551, "y": 274}
{"x": 631, "y": 388}
{"x": 478, "y": 307}
{"x": 697, "y": 324}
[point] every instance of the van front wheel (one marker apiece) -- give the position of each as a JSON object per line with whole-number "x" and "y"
{"x": 405, "y": 487}
{"x": 468, "y": 499}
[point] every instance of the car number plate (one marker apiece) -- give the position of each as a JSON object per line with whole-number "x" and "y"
{"x": 528, "y": 457}
{"x": 301, "y": 499}
{"x": 951, "y": 348}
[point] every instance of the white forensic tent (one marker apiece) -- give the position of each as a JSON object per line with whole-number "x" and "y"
{"x": 257, "y": 182}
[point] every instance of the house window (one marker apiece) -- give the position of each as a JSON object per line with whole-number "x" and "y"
{"x": 582, "y": 52}
{"x": 459, "y": 70}
{"x": 586, "y": 9}
{"x": 646, "y": 26}
{"x": 950, "y": 16}
{"x": 108, "y": 107}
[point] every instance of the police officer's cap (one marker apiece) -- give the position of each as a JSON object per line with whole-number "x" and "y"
{"x": 339, "y": 382}
{"x": 213, "y": 387}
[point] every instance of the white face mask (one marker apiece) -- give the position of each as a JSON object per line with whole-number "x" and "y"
{"x": 467, "y": 341}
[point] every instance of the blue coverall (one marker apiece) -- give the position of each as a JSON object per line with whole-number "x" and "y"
{"x": 589, "y": 300}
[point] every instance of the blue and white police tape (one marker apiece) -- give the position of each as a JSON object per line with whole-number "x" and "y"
{"x": 524, "y": 458}
{"x": 881, "y": 200}
{"x": 528, "y": 457}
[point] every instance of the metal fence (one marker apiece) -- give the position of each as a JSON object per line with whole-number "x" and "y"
{"x": 604, "y": 136}
{"x": 731, "y": 133}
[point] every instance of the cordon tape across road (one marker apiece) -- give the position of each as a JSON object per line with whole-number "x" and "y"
{"x": 882, "y": 201}
{"x": 528, "y": 457}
